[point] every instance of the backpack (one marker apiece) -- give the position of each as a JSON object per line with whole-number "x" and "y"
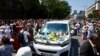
{"x": 21, "y": 37}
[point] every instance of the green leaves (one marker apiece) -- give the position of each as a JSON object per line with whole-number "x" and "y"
{"x": 62, "y": 9}
{"x": 94, "y": 14}
{"x": 34, "y": 9}
{"x": 29, "y": 4}
{"x": 57, "y": 9}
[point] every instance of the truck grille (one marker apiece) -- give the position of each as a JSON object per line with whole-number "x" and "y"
{"x": 47, "y": 51}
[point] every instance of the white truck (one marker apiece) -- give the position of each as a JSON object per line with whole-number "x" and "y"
{"x": 53, "y": 39}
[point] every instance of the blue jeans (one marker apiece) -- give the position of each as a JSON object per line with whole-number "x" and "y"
{"x": 89, "y": 34}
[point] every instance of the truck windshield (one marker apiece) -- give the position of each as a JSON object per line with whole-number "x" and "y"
{"x": 54, "y": 27}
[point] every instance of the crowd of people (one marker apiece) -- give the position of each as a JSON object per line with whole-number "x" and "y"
{"x": 90, "y": 30}
{"x": 91, "y": 33}
{"x": 17, "y": 33}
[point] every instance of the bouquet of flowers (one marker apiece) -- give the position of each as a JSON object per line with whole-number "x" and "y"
{"x": 53, "y": 36}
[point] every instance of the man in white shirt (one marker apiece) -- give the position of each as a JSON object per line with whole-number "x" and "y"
{"x": 8, "y": 31}
{"x": 26, "y": 34}
{"x": 24, "y": 51}
{"x": 90, "y": 30}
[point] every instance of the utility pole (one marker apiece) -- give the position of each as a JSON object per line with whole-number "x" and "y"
{"x": 95, "y": 4}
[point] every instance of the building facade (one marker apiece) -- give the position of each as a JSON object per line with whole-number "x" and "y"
{"x": 95, "y": 6}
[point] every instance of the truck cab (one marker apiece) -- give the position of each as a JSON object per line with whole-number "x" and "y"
{"x": 53, "y": 39}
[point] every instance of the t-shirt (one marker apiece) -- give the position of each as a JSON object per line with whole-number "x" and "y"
{"x": 6, "y": 50}
{"x": 25, "y": 33}
{"x": 24, "y": 51}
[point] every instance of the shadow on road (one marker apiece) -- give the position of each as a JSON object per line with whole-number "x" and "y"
{"x": 75, "y": 47}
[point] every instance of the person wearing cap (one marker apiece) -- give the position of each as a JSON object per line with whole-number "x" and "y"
{"x": 92, "y": 46}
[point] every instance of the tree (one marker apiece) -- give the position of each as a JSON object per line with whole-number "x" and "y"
{"x": 32, "y": 8}
{"x": 61, "y": 10}
{"x": 90, "y": 15}
{"x": 49, "y": 4}
{"x": 94, "y": 14}
{"x": 43, "y": 12}
{"x": 57, "y": 8}
{"x": 10, "y": 9}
